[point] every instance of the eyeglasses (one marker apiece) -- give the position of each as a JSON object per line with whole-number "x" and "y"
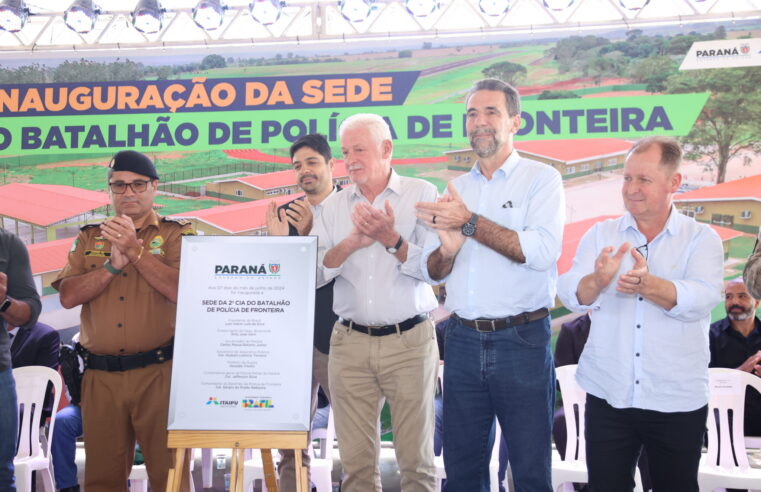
{"x": 120, "y": 187}
{"x": 642, "y": 250}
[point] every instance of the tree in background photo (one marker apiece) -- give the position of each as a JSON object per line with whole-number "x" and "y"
{"x": 730, "y": 122}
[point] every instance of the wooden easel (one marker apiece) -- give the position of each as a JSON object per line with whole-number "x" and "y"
{"x": 182, "y": 441}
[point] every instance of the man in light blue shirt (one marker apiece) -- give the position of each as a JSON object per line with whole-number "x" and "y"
{"x": 650, "y": 279}
{"x": 498, "y": 237}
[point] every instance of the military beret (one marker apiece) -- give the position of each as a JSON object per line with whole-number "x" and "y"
{"x": 130, "y": 160}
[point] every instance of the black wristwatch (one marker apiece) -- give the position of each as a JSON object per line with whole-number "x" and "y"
{"x": 5, "y": 305}
{"x": 393, "y": 249}
{"x": 469, "y": 228}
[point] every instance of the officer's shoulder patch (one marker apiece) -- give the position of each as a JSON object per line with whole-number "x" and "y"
{"x": 185, "y": 225}
{"x": 179, "y": 222}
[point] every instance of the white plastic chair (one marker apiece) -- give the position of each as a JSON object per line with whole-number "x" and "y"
{"x": 31, "y": 388}
{"x": 253, "y": 469}
{"x": 138, "y": 477}
{"x": 320, "y": 434}
{"x": 573, "y": 469}
{"x": 726, "y": 462}
{"x": 752, "y": 442}
{"x": 321, "y": 469}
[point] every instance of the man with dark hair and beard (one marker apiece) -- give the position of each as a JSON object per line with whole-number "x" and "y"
{"x": 313, "y": 164}
{"x": 498, "y": 237}
{"x": 735, "y": 342}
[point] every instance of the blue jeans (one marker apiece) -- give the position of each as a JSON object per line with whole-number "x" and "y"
{"x": 8, "y": 429}
{"x": 68, "y": 427}
{"x": 509, "y": 374}
{"x": 438, "y": 410}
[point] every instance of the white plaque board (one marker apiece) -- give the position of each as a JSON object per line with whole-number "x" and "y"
{"x": 243, "y": 342}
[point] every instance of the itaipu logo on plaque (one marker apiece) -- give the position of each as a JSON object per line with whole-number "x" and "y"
{"x": 215, "y": 402}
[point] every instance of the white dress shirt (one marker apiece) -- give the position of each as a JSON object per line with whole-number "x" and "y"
{"x": 372, "y": 288}
{"x": 639, "y": 354}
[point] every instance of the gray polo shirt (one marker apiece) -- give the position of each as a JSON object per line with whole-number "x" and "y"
{"x": 14, "y": 262}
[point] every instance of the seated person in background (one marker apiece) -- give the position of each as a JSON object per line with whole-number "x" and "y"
{"x": 322, "y": 414}
{"x": 36, "y": 345}
{"x": 68, "y": 427}
{"x": 735, "y": 342}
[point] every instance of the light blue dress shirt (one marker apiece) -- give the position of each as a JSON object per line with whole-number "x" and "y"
{"x": 527, "y": 197}
{"x": 639, "y": 354}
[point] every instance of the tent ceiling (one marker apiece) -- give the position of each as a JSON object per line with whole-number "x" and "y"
{"x": 306, "y": 22}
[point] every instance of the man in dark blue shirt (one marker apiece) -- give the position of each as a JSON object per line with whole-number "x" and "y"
{"x": 735, "y": 342}
{"x": 36, "y": 345}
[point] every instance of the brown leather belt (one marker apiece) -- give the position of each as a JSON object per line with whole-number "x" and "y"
{"x": 497, "y": 324}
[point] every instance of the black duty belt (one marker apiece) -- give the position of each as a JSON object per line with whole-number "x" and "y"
{"x": 118, "y": 363}
{"x": 497, "y": 324}
{"x": 380, "y": 331}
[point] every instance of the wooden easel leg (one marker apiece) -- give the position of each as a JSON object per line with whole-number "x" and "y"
{"x": 235, "y": 480}
{"x": 302, "y": 484}
{"x": 269, "y": 470}
{"x": 241, "y": 463}
{"x": 175, "y": 473}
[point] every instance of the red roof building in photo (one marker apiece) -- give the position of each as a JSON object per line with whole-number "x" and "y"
{"x": 49, "y": 207}
{"x": 735, "y": 204}
{"x": 572, "y": 158}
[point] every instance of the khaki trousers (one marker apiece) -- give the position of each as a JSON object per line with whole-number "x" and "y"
{"x": 287, "y": 466}
{"x": 364, "y": 371}
{"x": 119, "y": 408}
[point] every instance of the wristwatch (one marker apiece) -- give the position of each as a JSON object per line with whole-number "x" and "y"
{"x": 469, "y": 228}
{"x": 393, "y": 249}
{"x": 5, "y": 305}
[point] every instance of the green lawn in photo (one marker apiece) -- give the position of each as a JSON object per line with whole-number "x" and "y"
{"x": 452, "y": 85}
{"x": 416, "y": 171}
{"x": 741, "y": 247}
{"x": 390, "y": 64}
{"x": 172, "y": 206}
{"x": 87, "y": 177}
{"x": 201, "y": 165}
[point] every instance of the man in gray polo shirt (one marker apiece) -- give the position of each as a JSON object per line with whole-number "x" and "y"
{"x": 19, "y": 306}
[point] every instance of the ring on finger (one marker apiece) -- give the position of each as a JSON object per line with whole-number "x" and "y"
{"x": 434, "y": 219}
